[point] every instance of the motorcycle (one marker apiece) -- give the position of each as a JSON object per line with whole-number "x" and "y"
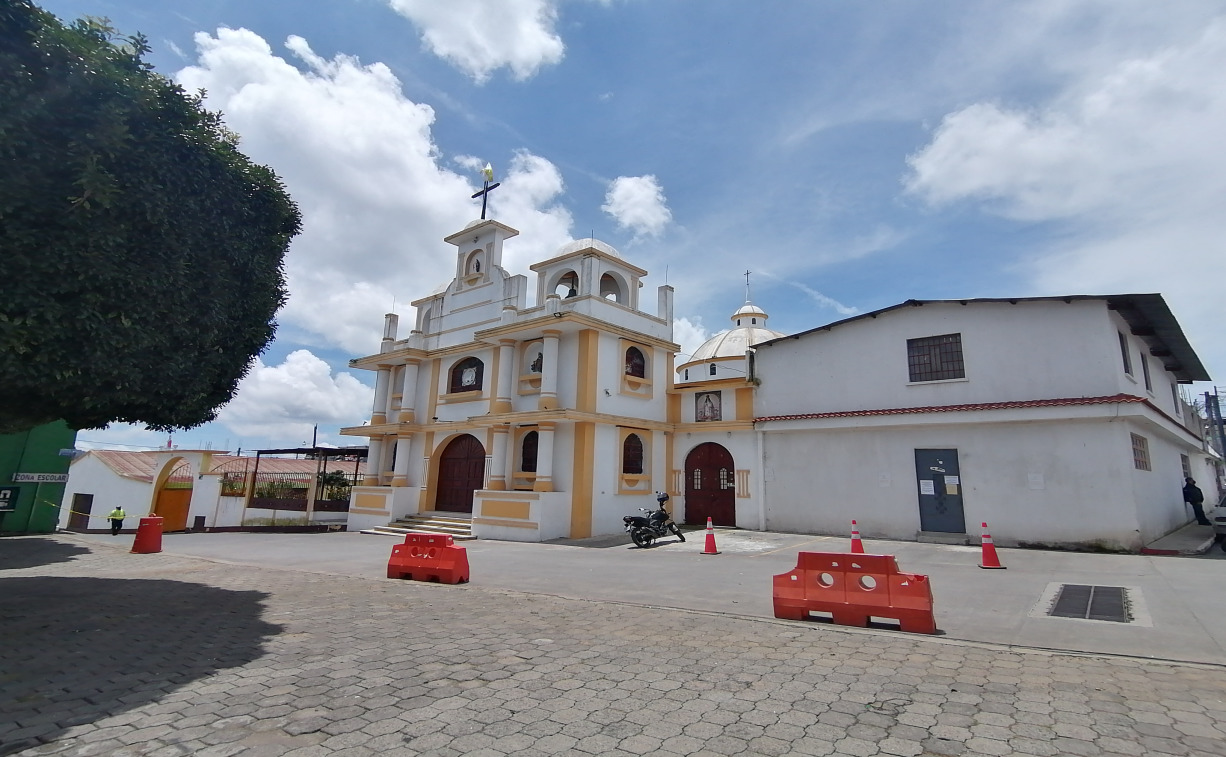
{"x": 644, "y": 529}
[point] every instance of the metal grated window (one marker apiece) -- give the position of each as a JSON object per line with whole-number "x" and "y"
{"x": 1092, "y": 603}
{"x": 1140, "y": 452}
{"x": 935, "y": 357}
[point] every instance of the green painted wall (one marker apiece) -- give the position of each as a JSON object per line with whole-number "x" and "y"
{"x": 34, "y": 451}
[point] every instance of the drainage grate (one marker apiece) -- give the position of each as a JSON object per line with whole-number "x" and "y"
{"x": 1092, "y": 603}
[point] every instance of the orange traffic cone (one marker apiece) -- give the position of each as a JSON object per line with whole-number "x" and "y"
{"x": 990, "y": 560}
{"x": 710, "y": 548}
{"x": 857, "y": 546}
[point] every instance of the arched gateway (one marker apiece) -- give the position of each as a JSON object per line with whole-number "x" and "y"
{"x": 461, "y": 471}
{"x": 710, "y": 486}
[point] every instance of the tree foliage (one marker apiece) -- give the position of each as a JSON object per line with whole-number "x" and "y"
{"x": 140, "y": 252}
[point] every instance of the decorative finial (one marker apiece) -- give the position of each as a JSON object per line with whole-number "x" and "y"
{"x": 747, "y": 272}
{"x": 487, "y": 174}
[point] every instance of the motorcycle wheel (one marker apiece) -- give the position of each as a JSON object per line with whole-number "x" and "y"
{"x": 676, "y": 531}
{"x": 641, "y": 538}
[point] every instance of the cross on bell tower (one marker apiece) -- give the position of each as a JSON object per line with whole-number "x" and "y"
{"x": 487, "y": 174}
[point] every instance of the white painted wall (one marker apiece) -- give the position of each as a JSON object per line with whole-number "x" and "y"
{"x": 88, "y": 475}
{"x": 1031, "y": 350}
{"x": 1055, "y": 482}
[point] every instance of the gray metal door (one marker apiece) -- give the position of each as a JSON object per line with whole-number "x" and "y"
{"x": 940, "y": 490}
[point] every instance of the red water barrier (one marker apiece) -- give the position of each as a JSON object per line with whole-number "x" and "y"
{"x": 852, "y": 588}
{"x": 148, "y": 535}
{"x": 429, "y": 557}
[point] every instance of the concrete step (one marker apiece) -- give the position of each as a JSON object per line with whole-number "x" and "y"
{"x": 458, "y": 525}
{"x": 941, "y": 537}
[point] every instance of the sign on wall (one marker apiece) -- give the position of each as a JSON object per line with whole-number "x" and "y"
{"x": 40, "y": 478}
{"x": 8, "y": 498}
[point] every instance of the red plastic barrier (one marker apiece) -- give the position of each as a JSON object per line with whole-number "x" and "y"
{"x": 429, "y": 557}
{"x": 148, "y": 535}
{"x": 852, "y": 588}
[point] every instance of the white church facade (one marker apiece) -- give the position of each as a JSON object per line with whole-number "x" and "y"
{"x": 551, "y": 408}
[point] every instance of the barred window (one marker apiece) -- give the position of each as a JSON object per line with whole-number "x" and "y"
{"x": 632, "y": 455}
{"x": 934, "y": 358}
{"x": 1140, "y": 452}
{"x": 1187, "y": 466}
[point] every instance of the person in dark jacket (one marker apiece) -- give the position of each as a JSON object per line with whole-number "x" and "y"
{"x": 1194, "y": 497}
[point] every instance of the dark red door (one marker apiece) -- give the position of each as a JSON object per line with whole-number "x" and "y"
{"x": 710, "y": 486}
{"x": 461, "y": 471}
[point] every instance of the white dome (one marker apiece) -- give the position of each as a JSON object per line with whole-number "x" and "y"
{"x": 735, "y": 341}
{"x": 576, "y": 245}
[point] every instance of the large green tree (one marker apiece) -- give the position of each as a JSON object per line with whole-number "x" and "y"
{"x": 141, "y": 253}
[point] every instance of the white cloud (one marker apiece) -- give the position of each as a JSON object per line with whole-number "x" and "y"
{"x": 690, "y": 334}
{"x": 528, "y": 197}
{"x": 637, "y": 203}
{"x": 286, "y": 401}
{"x": 359, "y": 159}
{"x": 1130, "y": 163}
{"x": 823, "y": 300}
{"x": 481, "y": 36}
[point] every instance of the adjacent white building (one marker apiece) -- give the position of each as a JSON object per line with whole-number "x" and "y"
{"x": 1058, "y": 420}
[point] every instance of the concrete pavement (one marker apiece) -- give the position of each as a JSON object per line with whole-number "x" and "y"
{"x": 1178, "y": 603}
{"x": 296, "y": 645}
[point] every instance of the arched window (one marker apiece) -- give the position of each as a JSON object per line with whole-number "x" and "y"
{"x": 527, "y": 452}
{"x": 636, "y": 364}
{"x": 466, "y": 375}
{"x": 687, "y": 374}
{"x": 712, "y": 369}
{"x": 632, "y": 455}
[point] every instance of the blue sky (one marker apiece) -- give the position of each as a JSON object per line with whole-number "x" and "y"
{"x": 851, "y": 154}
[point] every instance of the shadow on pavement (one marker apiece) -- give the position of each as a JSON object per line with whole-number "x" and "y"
{"x": 31, "y": 551}
{"x": 76, "y": 650}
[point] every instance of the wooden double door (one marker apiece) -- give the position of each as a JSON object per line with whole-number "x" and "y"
{"x": 461, "y": 471}
{"x": 710, "y": 486}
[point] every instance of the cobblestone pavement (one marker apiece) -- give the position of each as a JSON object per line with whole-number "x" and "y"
{"x": 107, "y": 653}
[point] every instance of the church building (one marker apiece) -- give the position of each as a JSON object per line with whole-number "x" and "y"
{"x": 548, "y": 408}
{"x": 541, "y": 419}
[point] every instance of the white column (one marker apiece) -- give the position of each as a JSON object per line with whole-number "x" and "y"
{"x": 400, "y": 468}
{"x": 408, "y": 393}
{"x": 544, "y": 458}
{"x": 498, "y": 460}
{"x": 374, "y": 457}
{"x": 378, "y": 412}
{"x": 549, "y": 371}
{"x": 506, "y": 360}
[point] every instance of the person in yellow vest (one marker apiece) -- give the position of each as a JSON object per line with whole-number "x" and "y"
{"x": 117, "y": 515}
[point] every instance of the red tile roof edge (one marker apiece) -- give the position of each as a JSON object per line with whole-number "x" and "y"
{"x": 1059, "y": 402}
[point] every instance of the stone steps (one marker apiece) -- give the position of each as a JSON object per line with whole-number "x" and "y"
{"x": 457, "y": 525}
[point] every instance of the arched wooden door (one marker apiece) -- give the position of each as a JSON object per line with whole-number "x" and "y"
{"x": 461, "y": 471}
{"x": 710, "y": 486}
{"x": 174, "y": 499}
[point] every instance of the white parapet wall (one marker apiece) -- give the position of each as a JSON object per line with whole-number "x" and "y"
{"x": 521, "y": 516}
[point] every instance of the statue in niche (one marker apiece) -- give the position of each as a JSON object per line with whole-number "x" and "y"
{"x": 538, "y": 363}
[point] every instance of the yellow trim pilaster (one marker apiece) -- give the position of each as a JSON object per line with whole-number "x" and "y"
{"x": 584, "y": 479}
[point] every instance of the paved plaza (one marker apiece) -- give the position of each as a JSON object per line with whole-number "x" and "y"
{"x": 107, "y": 653}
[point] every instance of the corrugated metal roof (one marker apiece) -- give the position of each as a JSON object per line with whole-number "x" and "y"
{"x": 139, "y": 465}
{"x": 1146, "y": 314}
